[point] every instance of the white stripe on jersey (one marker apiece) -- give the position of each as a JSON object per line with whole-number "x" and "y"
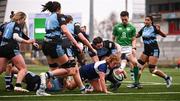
{"x": 97, "y": 64}
{"x": 31, "y": 73}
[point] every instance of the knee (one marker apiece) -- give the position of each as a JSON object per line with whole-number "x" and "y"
{"x": 152, "y": 68}
{"x": 24, "y": 70}
{"x": 69, "y": 64}
{"x": 134, "y": 63}
{"x": 72, "y": 71}
{"x": 141, "y": 62}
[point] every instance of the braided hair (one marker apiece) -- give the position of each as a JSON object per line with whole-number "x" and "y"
{"x": 51, "y": 6}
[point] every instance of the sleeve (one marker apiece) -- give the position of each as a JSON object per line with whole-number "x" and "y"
{"x": 141, "y": 31}
{"x": 61, "y": 19}
{"x": 25, "y": 36}
{"x": 111, "y": 46}
{"x": 77, "y": 28}
{"x": 155, "y": 29}
{"x": 17, "y": 29}
{"x": 102, "y": 68}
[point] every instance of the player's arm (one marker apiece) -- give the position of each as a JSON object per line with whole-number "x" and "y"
{"x": 95, "y": 58}
{"x": 163, "y": 34}
{"x": 78, "y": 32}
{"x": 16, "y": 36}
{"x": 93, "y": 55}
{"x": 134, "y": 43}
{"x": 62, "y": 24}
{"x": 139, "y": 34}
{"x": 102, "y": 81}
{"x": 86, "y": 42}
{"x": 113, "y": 47}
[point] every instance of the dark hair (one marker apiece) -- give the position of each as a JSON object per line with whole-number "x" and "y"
{"x": 68, "y": 18}
{"x": 97, "y": 40}
{"x": 52, "y": 6}
{"x": 151, "y": 18}
{"x": 12, "y": 14}
{"x": 124, "y": 13}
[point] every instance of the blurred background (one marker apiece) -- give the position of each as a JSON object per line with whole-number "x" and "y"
{"x": 99, "y": 16}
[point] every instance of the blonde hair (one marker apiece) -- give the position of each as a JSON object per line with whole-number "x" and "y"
{"x": 18, "y": 16}
{"x": 113, "y": 58}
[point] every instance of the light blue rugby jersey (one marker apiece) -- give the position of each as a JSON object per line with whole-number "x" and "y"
{"x": 149, "y": 35}
{"x": 53, "y": 22}
{"x": 8, "y": 32}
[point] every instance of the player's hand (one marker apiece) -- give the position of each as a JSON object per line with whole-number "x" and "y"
{"x": 157, "y": 27}
{"x": 79, "y": 48}
{"x": 36, "y": 45}
{"x": 30, "y": 41}
{"x": 108, "y": 92}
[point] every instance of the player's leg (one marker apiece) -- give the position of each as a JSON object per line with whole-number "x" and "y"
{"x": 154, "y": 70}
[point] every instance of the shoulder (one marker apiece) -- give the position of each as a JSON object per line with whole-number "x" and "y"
{"x": 108, "y": 42}
{"x": 16, "y": 24}
{"x": 118, "y": 25}
{"x": 131, "y": 25}
{"x": 100, "y": 63}
{"x": 61, "y": 16}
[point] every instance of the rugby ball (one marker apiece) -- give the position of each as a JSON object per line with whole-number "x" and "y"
{"x": 119, "y": 74}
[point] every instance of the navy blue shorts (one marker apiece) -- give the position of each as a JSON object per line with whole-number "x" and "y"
{"x": 53, "y": 50}
{"x": 9, "y": 51}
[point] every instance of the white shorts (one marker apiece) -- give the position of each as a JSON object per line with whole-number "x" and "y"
{"x": 126, "y": 49}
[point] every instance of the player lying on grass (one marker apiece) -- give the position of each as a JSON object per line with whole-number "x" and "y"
{"x": 95, "y": 73}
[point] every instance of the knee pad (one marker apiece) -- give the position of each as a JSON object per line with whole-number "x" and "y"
{"x": 141, "y": 62}
{"x": 54, "y": 65}
{"x": 69, "y": 64}
{"x": 152, "y": 68}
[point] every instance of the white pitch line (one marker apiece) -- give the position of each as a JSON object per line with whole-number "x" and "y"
{"x": 150, "y": 93}
{"x": 151, "y": 83}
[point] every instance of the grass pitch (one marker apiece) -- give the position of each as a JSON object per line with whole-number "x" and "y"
{"x": 154, "y": 89}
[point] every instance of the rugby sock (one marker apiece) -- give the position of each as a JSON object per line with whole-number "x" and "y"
{"x": 132, "y": 74}
{"x": 18, "y": 85}
{"x": 136, "y": 73}
{"x": 8, "y": 80}
{"x": 165, "y": 77}
{"x": 123, "y": 64}
{"x": 49, "y": 74}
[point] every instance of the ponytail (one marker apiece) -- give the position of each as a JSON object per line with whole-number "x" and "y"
{"x": 51, "y": 6}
